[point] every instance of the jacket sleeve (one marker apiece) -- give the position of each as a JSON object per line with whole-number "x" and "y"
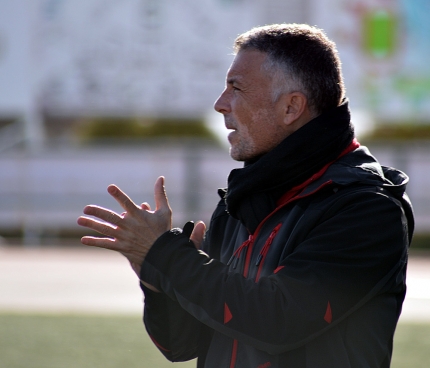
{"x": 175, "y": 332}
{"x": 353, "y": 252}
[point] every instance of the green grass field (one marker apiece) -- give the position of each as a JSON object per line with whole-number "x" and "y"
{"x": 77, "y": 341}
{"x": 87, "y": 341}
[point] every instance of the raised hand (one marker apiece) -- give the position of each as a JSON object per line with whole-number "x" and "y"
{"x": 133, "y": 232}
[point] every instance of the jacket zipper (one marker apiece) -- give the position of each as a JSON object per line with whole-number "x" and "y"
{"x": 262, "y": 255}
{"x": 237, "y": 253}
{"x": 267, "y": 245}
{"x": 248, "y": 243}
{"x": 235, "y": 259}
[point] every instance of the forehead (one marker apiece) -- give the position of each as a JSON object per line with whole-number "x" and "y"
{"x": 247, "y": 65}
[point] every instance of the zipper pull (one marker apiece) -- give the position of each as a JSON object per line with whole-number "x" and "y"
{"x": 259, "y": 258}
{"x": 267, "y": 245}
{"x": 231, "y": 259}
{"x": 235, "y": 259}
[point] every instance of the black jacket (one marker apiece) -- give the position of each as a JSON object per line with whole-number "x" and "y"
{"x": 319, "y": 284}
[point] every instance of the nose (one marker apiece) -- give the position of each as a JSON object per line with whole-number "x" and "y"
{"x": 222, "y": 104}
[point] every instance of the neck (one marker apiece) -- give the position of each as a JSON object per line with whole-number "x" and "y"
{"x": 291, "y": 163}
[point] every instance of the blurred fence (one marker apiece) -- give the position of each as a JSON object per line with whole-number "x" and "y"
{"x": 46, "y": 192}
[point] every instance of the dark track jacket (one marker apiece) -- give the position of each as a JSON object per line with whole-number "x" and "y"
{"x": 319, "y": 284}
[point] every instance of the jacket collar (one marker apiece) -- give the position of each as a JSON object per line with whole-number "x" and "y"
{"x": 360, "y": 166}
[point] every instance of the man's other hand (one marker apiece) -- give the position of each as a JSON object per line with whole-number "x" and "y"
{"x": 133, "y": 232}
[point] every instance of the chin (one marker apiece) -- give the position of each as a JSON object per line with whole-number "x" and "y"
{"x": 235, "y": 155}
{"x": 241, "y": 156}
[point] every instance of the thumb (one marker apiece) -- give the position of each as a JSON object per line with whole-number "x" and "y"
{"x": 198, "y": 234}
{"x": 160, "y": 196}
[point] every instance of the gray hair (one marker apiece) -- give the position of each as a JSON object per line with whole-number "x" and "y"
{"x": 300, "y": 58}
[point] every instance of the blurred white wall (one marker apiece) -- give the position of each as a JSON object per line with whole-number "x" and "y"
{"x": 71, "y": 58}
{"x": 157, "y": 57}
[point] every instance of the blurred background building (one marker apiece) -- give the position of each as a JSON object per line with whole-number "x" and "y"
{"x": 102, "y": 91}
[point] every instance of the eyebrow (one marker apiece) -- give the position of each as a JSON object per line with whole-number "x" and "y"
{"x": 233, "y": 80}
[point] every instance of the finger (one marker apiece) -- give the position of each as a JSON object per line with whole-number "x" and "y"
{"x": 145, "y": 206}
{"x": 150, "y": 287}
{"x": 123, "y": 199}
{"x": 100, "y": 227}
{"x": 103, "y": 214}
{"x": 198, "y": 234}
{"x": 106, "y": 243}
{"x": 161, "y": 201}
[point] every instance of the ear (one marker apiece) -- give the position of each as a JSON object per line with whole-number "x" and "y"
{"x": 296, "y": 109}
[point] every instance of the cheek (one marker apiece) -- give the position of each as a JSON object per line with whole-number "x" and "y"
{"x": 245, "y": 134}
{"x": 262, "y": 127}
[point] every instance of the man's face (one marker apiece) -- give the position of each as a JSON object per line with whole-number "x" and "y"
{"x": 248, "y": 108}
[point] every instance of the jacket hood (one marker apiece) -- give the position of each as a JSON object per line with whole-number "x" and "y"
{"x": 360, "y": 166}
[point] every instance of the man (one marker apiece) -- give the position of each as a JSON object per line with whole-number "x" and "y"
{"x": 304, "y": 261}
